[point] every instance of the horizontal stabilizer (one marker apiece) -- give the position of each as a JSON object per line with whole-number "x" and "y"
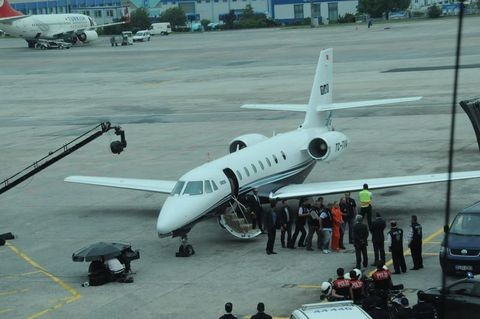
{"x": 350, "y": 105}
{"x": 277, "y": 107}
{"x": 337, "y": 187}
{"x": 148, "y": 185}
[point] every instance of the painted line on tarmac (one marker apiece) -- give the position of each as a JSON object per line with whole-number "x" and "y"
{"x": 6, "y": 310}
{"x": 13, "y": 292}
{"x": 407, "y": 251}
{"x": 75, "y": 295}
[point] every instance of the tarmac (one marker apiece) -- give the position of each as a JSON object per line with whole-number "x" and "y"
{"x": 178, "y": 99}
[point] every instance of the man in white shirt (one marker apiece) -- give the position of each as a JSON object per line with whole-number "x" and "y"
{"x": 117, "y": 269}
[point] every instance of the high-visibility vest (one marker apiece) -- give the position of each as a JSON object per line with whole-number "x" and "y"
{"x": 365, "y": 198}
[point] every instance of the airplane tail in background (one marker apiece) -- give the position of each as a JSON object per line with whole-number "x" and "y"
{"x": 319, "y": 107}
{"x": 322, "y": 89}
{"x": 6, "y": 11}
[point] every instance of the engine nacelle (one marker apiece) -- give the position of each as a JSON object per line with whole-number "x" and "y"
{"x": 245, "y": 140}
{"x": 87, "y": 36}
{"x": 327, "y": 146}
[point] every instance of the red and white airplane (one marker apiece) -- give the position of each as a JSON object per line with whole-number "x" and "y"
{"x": 275, "y": 166}
{"x": 68, "y": 27}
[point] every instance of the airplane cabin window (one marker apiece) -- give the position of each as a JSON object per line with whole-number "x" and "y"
{"x": 214, "y": 186}
{"x": 275, "y": 158}
{"x": 254, "y": 168}
{"x": 223, "y": 182}
{"x": 261, "y": 165}
{"x": 268, "y": 161}
{"x": 178, "y": 188}
{"x": 239, "y": 175}
{"x": 246, "y": 171}
{"x": 283, "y": 155}
{"x": 194, "y": 188}
{"x": 208, "y": 187}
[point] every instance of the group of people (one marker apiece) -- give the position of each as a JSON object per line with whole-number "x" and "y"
{"x": 373, "y": 294}
{"x": 259, "y": 315}
{"x": 334, "y": 221}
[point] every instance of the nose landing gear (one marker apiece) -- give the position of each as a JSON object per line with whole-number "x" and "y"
{"x": 185, "y": 249}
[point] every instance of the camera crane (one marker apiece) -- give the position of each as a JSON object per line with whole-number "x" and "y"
{"x": 116, "y": 147}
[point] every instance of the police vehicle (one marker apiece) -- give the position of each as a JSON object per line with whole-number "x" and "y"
{"x": 330, "y": 310}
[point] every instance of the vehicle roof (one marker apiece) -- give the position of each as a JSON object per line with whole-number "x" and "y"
{"x": 333, "y": 310}
{"x": 475, "y": 208}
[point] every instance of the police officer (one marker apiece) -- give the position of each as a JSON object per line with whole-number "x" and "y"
{"x": 286, "y": 220}
{"x": 365, "y": 197}
{"x": 382, "y": 282}
{"x": 414, "y": 240}
{"x": 395, "y": 244}
{"x": 341, "y": 286}
{"x": 424, "y": 310}
{"x": 357, "y": 288}
{"x": 378, "y": 238}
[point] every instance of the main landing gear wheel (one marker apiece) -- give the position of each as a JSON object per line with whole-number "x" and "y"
{"x": 185, "y": 249}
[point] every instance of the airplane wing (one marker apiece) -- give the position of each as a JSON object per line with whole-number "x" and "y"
{"x": 148, "y": 185}
{"x": 326, "y": 188}
{"x": 277, "y": 107}
{"x": 328, "y": 107}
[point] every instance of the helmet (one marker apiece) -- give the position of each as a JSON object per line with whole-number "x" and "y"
{"x": 347, "y": 276}
{"x": 358, "y": 272}
{"x": 326, "y": 288}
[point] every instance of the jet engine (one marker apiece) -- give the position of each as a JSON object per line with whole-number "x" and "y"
{"x": 86, "y": 36}
{"x": 245, "y": 140}
{"x": 327, "y": 146}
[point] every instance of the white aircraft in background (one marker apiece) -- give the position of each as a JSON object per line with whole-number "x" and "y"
{"x": 66, "y": 27}
{"x": 275, "y": 166}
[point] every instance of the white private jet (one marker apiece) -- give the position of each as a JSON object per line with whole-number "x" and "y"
{"x": 275, "y": 166}
{"x": 66, "y": 27}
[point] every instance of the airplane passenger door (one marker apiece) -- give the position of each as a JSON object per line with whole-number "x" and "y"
{"x": 232, "y": 179}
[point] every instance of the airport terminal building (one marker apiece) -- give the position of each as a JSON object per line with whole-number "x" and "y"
{"x": 285, "y": 11}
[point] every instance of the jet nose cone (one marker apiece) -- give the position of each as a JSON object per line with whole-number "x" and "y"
{"x": 168, "y": 220}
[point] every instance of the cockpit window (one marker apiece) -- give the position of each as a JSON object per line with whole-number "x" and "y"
{"x": 208, "y": 187}
{"x": 178, "y": 188}
{"x": 194, "y": 188}
{"x": 214, "y": 186}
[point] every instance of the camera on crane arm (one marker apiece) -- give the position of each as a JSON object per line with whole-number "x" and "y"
{"x": 118, "y": 146}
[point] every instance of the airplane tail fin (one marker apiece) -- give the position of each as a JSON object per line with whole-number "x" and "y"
{"x": 6, "y": 11}
{"x": 322, "y": 89}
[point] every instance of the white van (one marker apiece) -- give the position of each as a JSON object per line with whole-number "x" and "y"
{"x": 330, "y": 310}
{"x": 162, "y": 28}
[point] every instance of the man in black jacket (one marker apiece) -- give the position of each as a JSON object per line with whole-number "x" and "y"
{"x": 255, "y": 204}
{"x": 378, "y": 238}
{"x": 360, "y": 241}
{"x": 300, "y": 220}
{"x": 261, "y": 314}
{"x": 271, "y": 222}
{"x": 395, "y": 244}
{"x": 286, "y": 220}
{"x": 228, "y": 310}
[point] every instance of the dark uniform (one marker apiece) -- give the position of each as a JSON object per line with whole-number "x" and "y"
{"x": 378, "y": 239}
{"x": 271, "y": 221}
{"x": 360, "y": 241}
{"x": 416, "y": 245}
{"x": 228, "y": 316}
{"x": 396, "y": 247}
{"x": 286, "y": 220}
{"x": 300, "y": 227}
{"x": 342, "y": 287}
{"x": 349, "y": 207}
{"x": 424, "y": 310}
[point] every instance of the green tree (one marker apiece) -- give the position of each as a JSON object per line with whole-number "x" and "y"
{"x": 139, "y": 20}
{"x": 434, "y": 12}
{"x": 250, "y": 19}
{"x": 175, "y": 16}
{"x": 376, "y": 8}
{"x": 229, "y": 19}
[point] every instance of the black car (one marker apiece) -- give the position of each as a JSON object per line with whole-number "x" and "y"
{"x": 462, "y": 298}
